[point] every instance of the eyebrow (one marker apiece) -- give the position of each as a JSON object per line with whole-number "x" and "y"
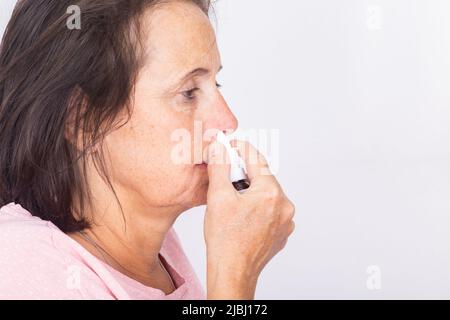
{"x": 197, "y": 72}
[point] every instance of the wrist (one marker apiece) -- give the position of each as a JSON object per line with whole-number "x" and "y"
{"x": 230, "y": 281}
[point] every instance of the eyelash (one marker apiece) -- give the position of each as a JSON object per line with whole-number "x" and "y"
{"x": 188, "y": 93}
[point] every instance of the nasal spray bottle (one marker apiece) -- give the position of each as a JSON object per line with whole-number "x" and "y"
{"x": 237, "y": 173}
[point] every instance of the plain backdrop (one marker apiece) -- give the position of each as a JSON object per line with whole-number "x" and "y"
{"x": 359, "y": 91}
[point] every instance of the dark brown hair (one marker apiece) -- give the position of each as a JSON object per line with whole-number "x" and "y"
{"x": 53, "y": 78}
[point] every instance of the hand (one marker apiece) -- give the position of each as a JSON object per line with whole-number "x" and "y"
{"x": 243, "y": 231}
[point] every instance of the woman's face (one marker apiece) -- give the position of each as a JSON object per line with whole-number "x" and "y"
{"x": 156, "y": 157}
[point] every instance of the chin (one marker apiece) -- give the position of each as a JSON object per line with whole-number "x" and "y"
{"x": 195, "y": 194}
{"x": 198, "y": 196}
{"x": 201, "y": 197}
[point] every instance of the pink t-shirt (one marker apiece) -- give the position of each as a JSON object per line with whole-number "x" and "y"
{"x": 39, "y": 261}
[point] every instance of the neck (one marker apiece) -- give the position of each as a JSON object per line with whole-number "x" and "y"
{"x": 133, "y": 240}
{"x": 131, "y": 237}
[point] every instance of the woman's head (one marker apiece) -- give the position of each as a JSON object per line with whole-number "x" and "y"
{"x": 111, "y": 107}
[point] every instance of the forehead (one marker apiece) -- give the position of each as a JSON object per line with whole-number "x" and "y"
{"x": 178, "y": 37}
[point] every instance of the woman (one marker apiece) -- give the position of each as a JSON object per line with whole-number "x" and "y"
{"x": 91, "y": 183}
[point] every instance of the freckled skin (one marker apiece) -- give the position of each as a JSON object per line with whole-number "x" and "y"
{"x": 179, "y": 38}
{"x": 152, "y": 188}
{"x": 242, "y": 233}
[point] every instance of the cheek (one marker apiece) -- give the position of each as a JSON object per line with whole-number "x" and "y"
{"x": 141, "y": 162}
{"x": 143, "y": 166}
{"x": 161, "y": 183}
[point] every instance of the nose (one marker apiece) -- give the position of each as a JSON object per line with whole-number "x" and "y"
{"x": 221, "y": 117}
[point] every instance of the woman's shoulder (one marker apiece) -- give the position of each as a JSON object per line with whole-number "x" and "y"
{"x": 35, "y": 263}
{"x": 21, "y": 232}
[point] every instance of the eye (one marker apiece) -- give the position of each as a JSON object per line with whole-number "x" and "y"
{"x": 190, "y": 94}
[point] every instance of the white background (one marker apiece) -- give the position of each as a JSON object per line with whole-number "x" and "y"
{"x": 360, "y": 93}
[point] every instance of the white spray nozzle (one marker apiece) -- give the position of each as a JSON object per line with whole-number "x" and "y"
{"x": 237, "y": 172}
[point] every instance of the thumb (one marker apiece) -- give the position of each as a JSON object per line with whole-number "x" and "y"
{"x": 218, "y": 167}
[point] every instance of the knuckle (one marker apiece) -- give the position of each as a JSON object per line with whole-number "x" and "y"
{"x": 283, "y": 244}
{"x": 291, "y": 227}
{"x": 273, "y": 192}
{"x": 290, "y": 209}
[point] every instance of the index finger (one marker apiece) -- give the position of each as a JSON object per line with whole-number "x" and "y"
{"x": 256, "y": 164}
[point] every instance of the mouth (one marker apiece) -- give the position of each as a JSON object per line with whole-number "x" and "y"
{"x": 202, "y": 165}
